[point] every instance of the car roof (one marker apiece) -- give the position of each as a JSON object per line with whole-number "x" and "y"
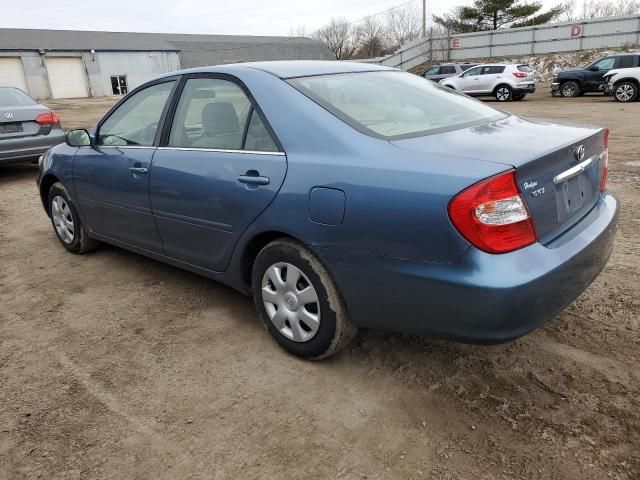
{"x": 296, "y": 68}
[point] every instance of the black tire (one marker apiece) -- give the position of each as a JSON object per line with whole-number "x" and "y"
{"x": 334, "y": 331}
{"x": 625, "y": 92}
{"x": 503, "y": 93}
{"x": 570, "y": 89}
{"x": 80, "y": 242}
{"x": 519, "y": 97}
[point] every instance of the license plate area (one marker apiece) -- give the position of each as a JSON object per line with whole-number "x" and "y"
{"x": 573, "y": 194}
{"x": 10, "y": 127}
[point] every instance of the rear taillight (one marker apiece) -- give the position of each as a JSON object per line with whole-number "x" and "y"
{"x": 605, "y": 170}
{"x": 520, "y": 74}
{"x": 48, "y": 118}
{"x": 492, "y": 215}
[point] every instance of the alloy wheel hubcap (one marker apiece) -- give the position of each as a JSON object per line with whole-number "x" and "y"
{"x": 503, "y": 94}
{"x": 624, "y": 93}
{"x": 568, "y": 90}
{"x": 62, "y": 219}
{"x": 291, "y": 301}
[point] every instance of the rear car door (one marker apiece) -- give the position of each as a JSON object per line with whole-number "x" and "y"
{"x": 112, "y": 177}
{"x": 218, "y": 167}
{"x": 491, "y": 76}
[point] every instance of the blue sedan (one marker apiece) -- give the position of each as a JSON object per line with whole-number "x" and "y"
{"x": 343, "y": 196}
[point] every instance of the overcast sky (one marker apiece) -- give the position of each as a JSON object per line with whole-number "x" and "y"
{"x": 248, "y": 17}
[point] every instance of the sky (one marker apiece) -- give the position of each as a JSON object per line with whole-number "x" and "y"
{"x": 246, "y": 17}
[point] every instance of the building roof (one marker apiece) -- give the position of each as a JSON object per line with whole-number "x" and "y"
{"x": 195, "y": 49}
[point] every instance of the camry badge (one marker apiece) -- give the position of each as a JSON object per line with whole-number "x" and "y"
{"x": 8, "y": 115}
{"x": 579, "y": 153}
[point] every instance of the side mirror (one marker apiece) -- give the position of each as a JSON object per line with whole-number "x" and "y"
{"x": 78, "y": 138}
{"x": 594, "y": 68}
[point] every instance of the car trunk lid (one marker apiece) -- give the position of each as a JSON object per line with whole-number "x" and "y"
{"x": 558, "y": 167}
{"x": 20, "y": 121}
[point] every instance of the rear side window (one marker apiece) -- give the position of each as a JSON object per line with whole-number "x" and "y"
{"x": 627, "y": 61}
{"x": 447, "y": 69}
{"x": 394, "y": 105}
{"x": 525, "y": 68}
{"x": 214, "y": 113}
{"x": 14, "y": 97}
{"x": 493, "y": 70}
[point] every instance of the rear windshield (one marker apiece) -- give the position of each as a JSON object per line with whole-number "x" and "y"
{"x": 394, "y": 105}
{"x": 13, "y": 97}
{"x": 525, "y": 68}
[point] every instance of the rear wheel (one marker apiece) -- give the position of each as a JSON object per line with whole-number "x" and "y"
{"x": 625, "y": 92}
{"x": 66, "y": 222}
{"x": 570, "y": 89}
{"x": 503, "y": 93}
{"x": 298, "y": 302}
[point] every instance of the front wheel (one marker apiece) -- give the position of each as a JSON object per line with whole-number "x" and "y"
{"x": 298, "y": 302}
{"x": 504, "y": 93}
{"x": 570, "y": 89}
{"x": 625, "y": 92}
{"x": 66, "y": 222}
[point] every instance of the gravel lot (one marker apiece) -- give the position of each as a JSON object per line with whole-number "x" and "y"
{"x": 116, "y": 366}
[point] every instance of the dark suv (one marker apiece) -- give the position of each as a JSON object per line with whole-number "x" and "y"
{"x": 571, "y": 83}
{"x": 446, "y": 70}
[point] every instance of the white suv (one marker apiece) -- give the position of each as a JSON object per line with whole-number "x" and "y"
{"x": 623, "y": 84}
{"x": 504, "y": 81}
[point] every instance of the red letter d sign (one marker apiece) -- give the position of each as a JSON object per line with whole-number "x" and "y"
{"x": 576, "y": 30}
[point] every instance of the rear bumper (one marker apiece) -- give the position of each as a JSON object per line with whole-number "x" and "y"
{"x": 28, "y": 148}
{"x": 482, "y": 298}
{"x": 524, "y": 90}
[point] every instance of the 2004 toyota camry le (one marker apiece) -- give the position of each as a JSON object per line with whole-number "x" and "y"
{"x": 343, "y": 195}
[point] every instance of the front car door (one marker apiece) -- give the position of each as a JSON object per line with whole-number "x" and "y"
{"x": 469, "y": 81}
{"x": 594, "y": 77}
{"x": 112, "y": 177}
{"x": 218, "y": 167}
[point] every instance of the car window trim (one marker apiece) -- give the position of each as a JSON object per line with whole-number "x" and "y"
{"x": 223, "y": 150}
{"x": 161, "y": 121}
{"x": 171, "y": 113}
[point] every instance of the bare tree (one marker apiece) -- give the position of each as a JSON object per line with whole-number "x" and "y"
{"x": 403, "y": 25}
{"x": 339, "y": 36}
{"x": 371, "y": 38}
{"x": 299, "y": 31}
{"x": 574, "y": 10}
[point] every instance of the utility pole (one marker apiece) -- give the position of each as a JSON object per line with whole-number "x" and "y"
{"x": 424, "y": 18}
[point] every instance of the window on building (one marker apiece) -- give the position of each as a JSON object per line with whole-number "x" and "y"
{"x": 119, "y": 85}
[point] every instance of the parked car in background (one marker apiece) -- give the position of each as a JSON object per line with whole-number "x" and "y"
{"x": 623, "y": 84}
{"x": 27, "y": 129}
{"x": 578, "y": 81}
{"x": 342, "y": 195}
{"x": 505, "y": 82}
{"x": 446, "y": 70}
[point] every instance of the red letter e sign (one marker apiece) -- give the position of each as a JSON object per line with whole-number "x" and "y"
{"x": 455, "y": 42}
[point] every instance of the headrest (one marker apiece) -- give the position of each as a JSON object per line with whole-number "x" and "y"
{"x": 219, "y": 118}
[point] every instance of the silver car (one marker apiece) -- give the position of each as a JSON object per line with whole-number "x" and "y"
{"x": 27, "y": 128}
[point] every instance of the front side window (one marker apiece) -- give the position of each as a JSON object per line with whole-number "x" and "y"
{"x": 136, "y": 121}
{"x": 216, "y": 114}
{"x": 605, "y": 63}
{"x": 472, "y": 72}
{"x": 432, "y": 71}
{"x": 394, "y": 105}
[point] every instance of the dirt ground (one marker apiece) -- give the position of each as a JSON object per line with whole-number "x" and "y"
{"x": 116, "y": 366}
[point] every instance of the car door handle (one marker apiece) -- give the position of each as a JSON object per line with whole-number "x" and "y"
{"x": 138, "y": 170}
{"x": 253, "y": 179}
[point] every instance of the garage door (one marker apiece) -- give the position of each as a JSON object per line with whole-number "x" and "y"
{"x": 67, "y": 77}
{"x": 12, "y": 73}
